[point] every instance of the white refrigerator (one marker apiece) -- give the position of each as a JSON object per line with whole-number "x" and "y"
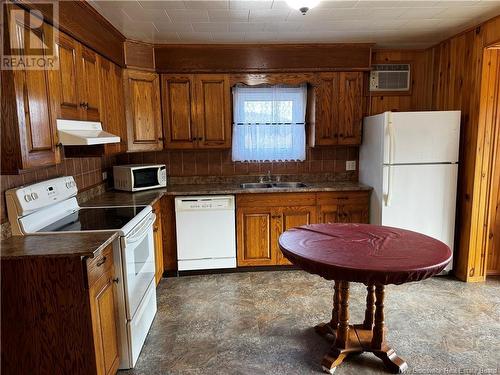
{"x": 411, "y": 161}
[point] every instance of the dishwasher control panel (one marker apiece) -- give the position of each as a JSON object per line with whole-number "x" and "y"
{"x": 225, "y": 202}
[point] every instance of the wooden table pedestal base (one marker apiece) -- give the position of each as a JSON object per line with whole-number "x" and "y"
{"x": 358, "y": 338}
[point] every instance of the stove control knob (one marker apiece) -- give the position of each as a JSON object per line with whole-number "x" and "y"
{"x": 34, "y": 196}
{"x": 27, "y": 198}
{"x": 68, "y": 184}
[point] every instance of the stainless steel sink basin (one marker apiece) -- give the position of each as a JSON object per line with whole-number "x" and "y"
{"x": 266, "y": 185}
{"x": 289, "y": 184}
{"x": 256, "y": 185}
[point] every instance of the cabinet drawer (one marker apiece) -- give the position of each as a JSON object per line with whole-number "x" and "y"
{"x": 343, "y": 197}
{"x": 276, "y": 200}
{"x": 98, "y": 265}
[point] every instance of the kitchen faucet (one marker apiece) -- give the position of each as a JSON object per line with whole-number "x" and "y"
{"x": 268, "y": 178}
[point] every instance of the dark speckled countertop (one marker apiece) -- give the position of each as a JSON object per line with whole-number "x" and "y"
{"x": 83, "y": 244}
{"x": 121, "y": 198}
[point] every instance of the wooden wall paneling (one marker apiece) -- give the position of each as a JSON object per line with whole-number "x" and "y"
{"x": 490, "y": 103}
{"x": 80, "y": 20}
{"x": 493, "y": 235}
{"x": 213, "y": 110}
{"x": 177, "y": 108}
{"x": 458, "y": 77}
{"x": 254, "y": 58}
{"x": 421, "y": 75}
{"x": 139, "y": 55}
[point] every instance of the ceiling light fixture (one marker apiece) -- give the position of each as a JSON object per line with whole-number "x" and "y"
{"x": 302, "y": 5}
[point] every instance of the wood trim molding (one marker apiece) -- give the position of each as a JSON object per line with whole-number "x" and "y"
{"x": 257, "y": 58}
{"x": 139, "y": 55}
{"x": 85, "y": 24}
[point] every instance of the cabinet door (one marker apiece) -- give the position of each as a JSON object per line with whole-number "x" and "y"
{"x": 213, "y": 111}
{"x": 256, "y": 237}
{"x": 293, "y": 217}
{"x": 354, "y": 213}
{"x": 111, "y": 104}
{"x": 102, "y": 305}
{"x": 36, "y": 127}
{"x": 326, "y": 115}
{"x": 177, "y": 94}
{"x": 89, "y": 84}
{"x": 329, "y": 213}
{"x": 158, "y": 240}
{"x": 142, "y": 97}
{"x": 65, "y": 88}
{"x": 350, "y": 108}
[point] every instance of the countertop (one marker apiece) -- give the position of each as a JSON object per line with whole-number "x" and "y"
{"x": 83, "y": 244}
{"x": 121, "y": 198}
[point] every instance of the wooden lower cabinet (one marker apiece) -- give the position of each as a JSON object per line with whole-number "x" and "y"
{"x": 59, "y": 314}
{"x": 256, "y": 236}
{"x": 102, "y": 308}
{"x": 101, "y": 276}
{"x": 158, "y": 240}
{"x": 293, "y": 217}
{"x": 261, "y": 218}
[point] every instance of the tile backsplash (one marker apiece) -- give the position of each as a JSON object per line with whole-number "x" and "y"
{"x": 88, "y": 171}
{"x": 219, "y": 163}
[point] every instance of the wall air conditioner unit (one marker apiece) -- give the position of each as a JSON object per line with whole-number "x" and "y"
{"x": 390, "y": 77}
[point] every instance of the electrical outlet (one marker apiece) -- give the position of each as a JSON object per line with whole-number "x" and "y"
{"x": 350, "y": 165}
{"x": 104, "y": 175}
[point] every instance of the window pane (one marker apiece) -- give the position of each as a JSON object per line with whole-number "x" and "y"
{"x": 269, "y": 123}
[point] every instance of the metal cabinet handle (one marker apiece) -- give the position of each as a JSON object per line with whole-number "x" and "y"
{"x": 116, "y": 280}
{"x": 101, "y": 262}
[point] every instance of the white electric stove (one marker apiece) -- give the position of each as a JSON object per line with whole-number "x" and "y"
{"x": 50, "y": 207}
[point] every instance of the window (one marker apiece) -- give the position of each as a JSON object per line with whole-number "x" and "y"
{"x": 269, "y": 123}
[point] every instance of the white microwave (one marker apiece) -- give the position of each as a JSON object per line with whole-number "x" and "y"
{"x": 137, "y": 177}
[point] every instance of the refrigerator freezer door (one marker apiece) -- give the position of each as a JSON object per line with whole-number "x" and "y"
{"x": 422, "y": 137}
{"x": 421, "y": 198}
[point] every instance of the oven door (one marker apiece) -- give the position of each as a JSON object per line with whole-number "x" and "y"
{"x": 138, "y": 263}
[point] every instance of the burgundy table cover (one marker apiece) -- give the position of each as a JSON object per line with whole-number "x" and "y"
{"x": 369, "y": 254}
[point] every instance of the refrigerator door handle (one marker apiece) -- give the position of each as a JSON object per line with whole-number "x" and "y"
{"x": 388, "y": 196}
{"x": 391, "y": 142}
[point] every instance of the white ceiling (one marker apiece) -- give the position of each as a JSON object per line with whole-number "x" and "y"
{"x": 398, "y": 24}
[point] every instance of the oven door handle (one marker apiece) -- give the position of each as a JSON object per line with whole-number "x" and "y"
{"x": 141, "y": 232}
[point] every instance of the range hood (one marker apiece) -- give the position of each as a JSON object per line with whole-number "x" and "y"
{"x": 81, "y": 133}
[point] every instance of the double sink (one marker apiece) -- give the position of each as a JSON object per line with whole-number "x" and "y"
{"x": 272, "y": 185}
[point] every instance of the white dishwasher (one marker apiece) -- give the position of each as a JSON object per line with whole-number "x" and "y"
{"x": 206, "y": 237}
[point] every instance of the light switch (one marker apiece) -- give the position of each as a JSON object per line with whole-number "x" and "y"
{"x": 104, "y": 175}
{"x": 350, "y": 165}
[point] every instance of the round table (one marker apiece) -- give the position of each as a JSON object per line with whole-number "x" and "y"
{"x": 369, "y": 254}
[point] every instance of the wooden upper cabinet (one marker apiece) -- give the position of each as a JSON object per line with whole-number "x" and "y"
{"x": 75, "y": 86}
{"x": 213, "y": 111}
{"x": 142, "y": 98}
{"x": 338, "y": 109}
{"x": 89, "y": 85}
{"x": 65, "y": 85}
{"x": 177, "y": 94}
{"x": 326, "y": 117}
{"x": 28, "y": 132}
{"x": 196, "y": 110}
{"x": 350, "y": 108}
{"x": 111, "y": 104}
{"x": 256, "y": 236}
